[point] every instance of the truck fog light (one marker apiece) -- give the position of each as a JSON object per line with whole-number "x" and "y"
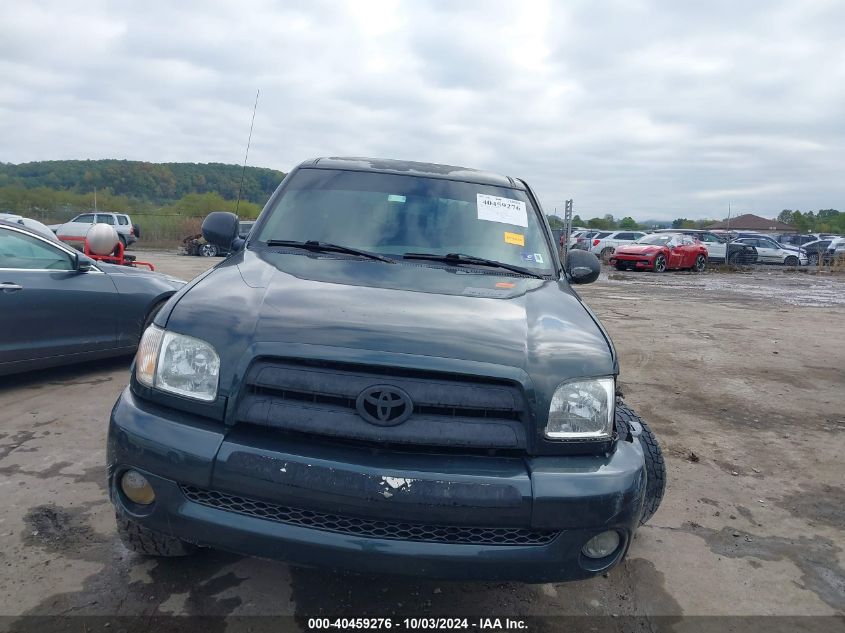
{"x": 602, "y": 545}
{"x": 136, "y": 487}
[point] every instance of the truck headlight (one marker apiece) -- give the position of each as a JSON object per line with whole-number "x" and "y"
{"x": 582, "y": 410}
{"x": 178, "y": 364}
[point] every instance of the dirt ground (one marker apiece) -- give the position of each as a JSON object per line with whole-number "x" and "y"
{"x": 742, "y": 377}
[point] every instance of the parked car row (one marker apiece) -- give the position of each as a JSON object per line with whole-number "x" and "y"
{"x": 813, "y": 251}
{"x": 605, "y": 243}
{"x": 771, "y": 252}
{"x": 722, "y": 246}
{"x": 803, "y": 239}
{"x": 691, "y": 249}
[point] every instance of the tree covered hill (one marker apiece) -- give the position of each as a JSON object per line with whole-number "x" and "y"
{"x": 157, "y": 183}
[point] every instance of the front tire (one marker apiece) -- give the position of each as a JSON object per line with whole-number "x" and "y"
{"x": 700, "y": 264}
{"x": 151, "y": 315}
{"x": 659, "y": 264}
{"x": 142, "y": 540}
{"x": 791, "y": 261}
{"x": 606, "y": 253}
{"x": 208, "y": 250}
{"x": 655, "y": 465}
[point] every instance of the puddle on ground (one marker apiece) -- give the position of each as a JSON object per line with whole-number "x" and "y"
{"x": 773, "y": 285}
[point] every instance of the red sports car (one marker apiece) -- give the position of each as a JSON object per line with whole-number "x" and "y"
{"x": 660, "y": 252}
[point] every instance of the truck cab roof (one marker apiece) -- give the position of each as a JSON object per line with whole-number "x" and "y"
{"x": 412, "y": 168}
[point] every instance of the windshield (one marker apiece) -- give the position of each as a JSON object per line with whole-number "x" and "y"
{"x": 658, "y": 239}
{"x": 396, "y": 214}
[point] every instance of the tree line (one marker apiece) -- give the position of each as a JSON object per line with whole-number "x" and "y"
{"x": 823, "y": 221}
{"x": 610, "y": 223}
{"x": 55, "y": 191}
{"x": 605, "y": 223}
{"x": 157, "y": 183}
{"x": 49, "y": 205}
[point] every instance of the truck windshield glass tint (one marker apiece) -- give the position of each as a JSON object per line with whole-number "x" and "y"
{"x": 392, "y": 214}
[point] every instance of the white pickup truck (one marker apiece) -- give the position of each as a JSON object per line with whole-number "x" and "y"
{"x": 78, "y": 226}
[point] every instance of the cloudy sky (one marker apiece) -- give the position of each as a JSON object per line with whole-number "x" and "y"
{"x": 650, "y": 109}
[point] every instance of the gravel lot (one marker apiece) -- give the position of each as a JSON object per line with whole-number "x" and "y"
{"x": 742, "y": 377}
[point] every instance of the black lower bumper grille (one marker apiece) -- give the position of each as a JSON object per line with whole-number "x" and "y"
{"x": 453, "y": 534}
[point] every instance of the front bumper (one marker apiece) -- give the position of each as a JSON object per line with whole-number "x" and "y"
{"x": 637, "y": 262}
{"x": 574, "y": 498}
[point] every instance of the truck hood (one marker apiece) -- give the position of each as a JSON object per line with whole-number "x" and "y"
{"x": 412, "y": 309}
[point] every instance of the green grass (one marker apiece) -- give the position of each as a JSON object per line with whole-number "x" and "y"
{"x": 170, "y": 230}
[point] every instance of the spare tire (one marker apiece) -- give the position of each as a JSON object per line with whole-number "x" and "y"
{"x": 137, "y": 230}
{"x": 655, "y": 465}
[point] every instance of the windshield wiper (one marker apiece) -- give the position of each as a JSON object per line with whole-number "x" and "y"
{"x": 460, "y": 258}
{"x": 326, "y": 247}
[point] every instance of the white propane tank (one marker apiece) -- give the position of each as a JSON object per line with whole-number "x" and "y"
{"x": 102, "y": 239}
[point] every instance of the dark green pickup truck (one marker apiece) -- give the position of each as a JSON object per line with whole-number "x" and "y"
{"x": 392, "y": 373}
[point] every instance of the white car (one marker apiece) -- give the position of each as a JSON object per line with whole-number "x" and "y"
{"x": 78, "y": 226}
{"x": 771, "y": 252}
{"x": 573, "y": 237}
{"x": 35, "y": 225}
{"x": 605, "y": 243}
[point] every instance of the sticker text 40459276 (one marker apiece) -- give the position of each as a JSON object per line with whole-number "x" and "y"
{"x": 504, "y": 210}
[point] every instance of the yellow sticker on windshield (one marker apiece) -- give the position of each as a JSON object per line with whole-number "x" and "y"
{"x": 515, "y": 238}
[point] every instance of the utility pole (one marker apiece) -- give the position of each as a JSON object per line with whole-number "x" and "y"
{"x": 567, "y": 229}
{"x": 730, "y": 238}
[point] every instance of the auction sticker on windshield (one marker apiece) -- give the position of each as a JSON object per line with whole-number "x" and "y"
{"x": 504, "y": 210}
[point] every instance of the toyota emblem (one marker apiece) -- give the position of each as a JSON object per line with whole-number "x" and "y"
{"x": 384, "y": 405}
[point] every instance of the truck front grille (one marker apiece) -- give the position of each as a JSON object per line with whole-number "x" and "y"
{"x": 450, "y": 411}
{"x": 373, "y": 528}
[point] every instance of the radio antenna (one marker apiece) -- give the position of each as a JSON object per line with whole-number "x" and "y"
{"x": 249, "y": 140}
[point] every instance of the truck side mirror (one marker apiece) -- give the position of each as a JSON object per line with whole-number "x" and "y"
{"x": 220, "y": 228}
{"x": 582, "y": 267}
